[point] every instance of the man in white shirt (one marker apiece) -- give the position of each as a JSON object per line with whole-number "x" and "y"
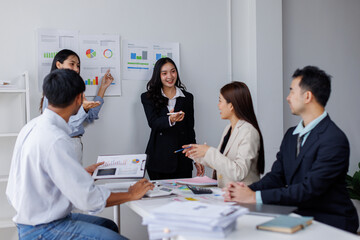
{"x": 46, "y": 180}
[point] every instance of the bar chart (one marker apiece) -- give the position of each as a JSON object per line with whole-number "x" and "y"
{"x": 143, "y": 56}
{"x": 159, "y": 55}
{"x": 94, "y": 81}
{"x": 49, "y": 54}
{"x": 140, "y": 57}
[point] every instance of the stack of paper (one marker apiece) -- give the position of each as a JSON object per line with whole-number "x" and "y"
{"x": 193, "y": 219}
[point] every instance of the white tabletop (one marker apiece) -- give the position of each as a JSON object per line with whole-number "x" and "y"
{"x": 246, "y": 226}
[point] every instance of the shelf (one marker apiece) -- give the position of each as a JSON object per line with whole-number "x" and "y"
{"x": 12, "y": 90}
{"x": 7, "y": 224}
{"x": 15, "y": 109}
{"x": 3, "y": 178}
{"x": 9, "y": 134}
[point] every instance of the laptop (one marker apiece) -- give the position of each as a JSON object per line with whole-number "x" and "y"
{"x": 268, "y": 209}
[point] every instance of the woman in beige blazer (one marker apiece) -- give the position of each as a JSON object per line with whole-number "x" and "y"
{"x": 240, "y": 154}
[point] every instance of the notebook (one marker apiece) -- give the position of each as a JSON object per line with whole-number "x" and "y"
{"x": 286, "y": 224}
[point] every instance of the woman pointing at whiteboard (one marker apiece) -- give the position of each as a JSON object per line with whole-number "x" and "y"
{"x": 68, "y": 59}
{"x": 169, "y": 111}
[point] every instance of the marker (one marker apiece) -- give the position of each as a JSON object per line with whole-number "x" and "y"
{"x": 181, "y": 149}
{"x": 174, "y": 113}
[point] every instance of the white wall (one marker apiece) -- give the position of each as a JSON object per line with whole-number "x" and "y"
{"x": 204, "y": 29}
{"x": 200, "y": 26}
{"x": 326, "y": 33}
{"x": 123, "y": 126}
{"x": 257, "y": 61}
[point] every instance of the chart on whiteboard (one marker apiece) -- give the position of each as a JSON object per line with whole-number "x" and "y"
{"x": 139, "y": 57}
{"x": 99, "y": 53}
{"x": 49, "y": 43}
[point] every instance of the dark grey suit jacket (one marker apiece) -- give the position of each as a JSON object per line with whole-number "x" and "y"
{"x": 315, "y": 180}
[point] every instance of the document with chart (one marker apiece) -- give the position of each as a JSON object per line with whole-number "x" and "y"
{"x": 139, "y": 57}
{"x": 99, "y": 53}
{"x": 121, "y": 166}
{"x": 49, "y": 43}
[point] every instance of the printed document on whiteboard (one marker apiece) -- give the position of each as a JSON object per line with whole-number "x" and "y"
{"x": 49, "y": 43}
{"x": 99, "y": 53}
{"x": 139, "y": 57}
{"x": 121, "y": 166}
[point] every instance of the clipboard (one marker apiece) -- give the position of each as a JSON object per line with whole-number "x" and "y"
{"x": 121, "y": 166}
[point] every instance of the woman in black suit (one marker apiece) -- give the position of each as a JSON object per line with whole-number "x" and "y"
{"x": 169, "y": 110}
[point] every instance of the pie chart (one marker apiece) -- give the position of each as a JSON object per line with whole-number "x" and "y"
{"x": 108, "y": 53}
{"x": 90, "y": 53}
{"x": 135, "y": 161}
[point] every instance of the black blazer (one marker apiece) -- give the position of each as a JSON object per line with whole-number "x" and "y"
{"x": 164, "y": 140}
{"x": 315, "y": 180}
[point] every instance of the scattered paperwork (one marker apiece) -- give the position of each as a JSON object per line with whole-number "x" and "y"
{"x": 192, "y": 218}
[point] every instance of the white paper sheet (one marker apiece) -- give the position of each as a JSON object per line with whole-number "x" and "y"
{"x": 98, "y": 53}
{"x": 50, "y": 42}
{"x": 139, "y": 57}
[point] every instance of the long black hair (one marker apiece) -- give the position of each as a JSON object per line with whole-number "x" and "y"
{"x": 238, "y": 94}
{"x": 154, "y": 85}
{"x": 62, "y": 56}
{"x": 59, "y": 57}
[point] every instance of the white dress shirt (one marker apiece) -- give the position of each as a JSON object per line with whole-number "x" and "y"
{"x": 46, "y": 180}
{"x": 172, "y": 102}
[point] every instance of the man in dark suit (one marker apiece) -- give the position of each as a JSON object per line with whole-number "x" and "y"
{"x": 312, "y": 162}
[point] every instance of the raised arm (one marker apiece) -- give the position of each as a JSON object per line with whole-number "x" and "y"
{"x": 106, "y": 81}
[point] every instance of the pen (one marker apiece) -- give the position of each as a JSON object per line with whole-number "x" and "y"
{"x": 172, "y": 113}
{"x": 181, "y": 149}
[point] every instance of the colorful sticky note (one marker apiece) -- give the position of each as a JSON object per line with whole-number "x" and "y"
{"x": 191, "y": 199}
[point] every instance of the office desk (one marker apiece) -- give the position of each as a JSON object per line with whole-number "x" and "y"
{"x": 246, "y": 226}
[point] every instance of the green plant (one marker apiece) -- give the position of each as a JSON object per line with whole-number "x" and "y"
{"x": 353, "y": 185}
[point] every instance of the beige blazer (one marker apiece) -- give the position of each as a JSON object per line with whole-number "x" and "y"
{"x": 239, "y": 160}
